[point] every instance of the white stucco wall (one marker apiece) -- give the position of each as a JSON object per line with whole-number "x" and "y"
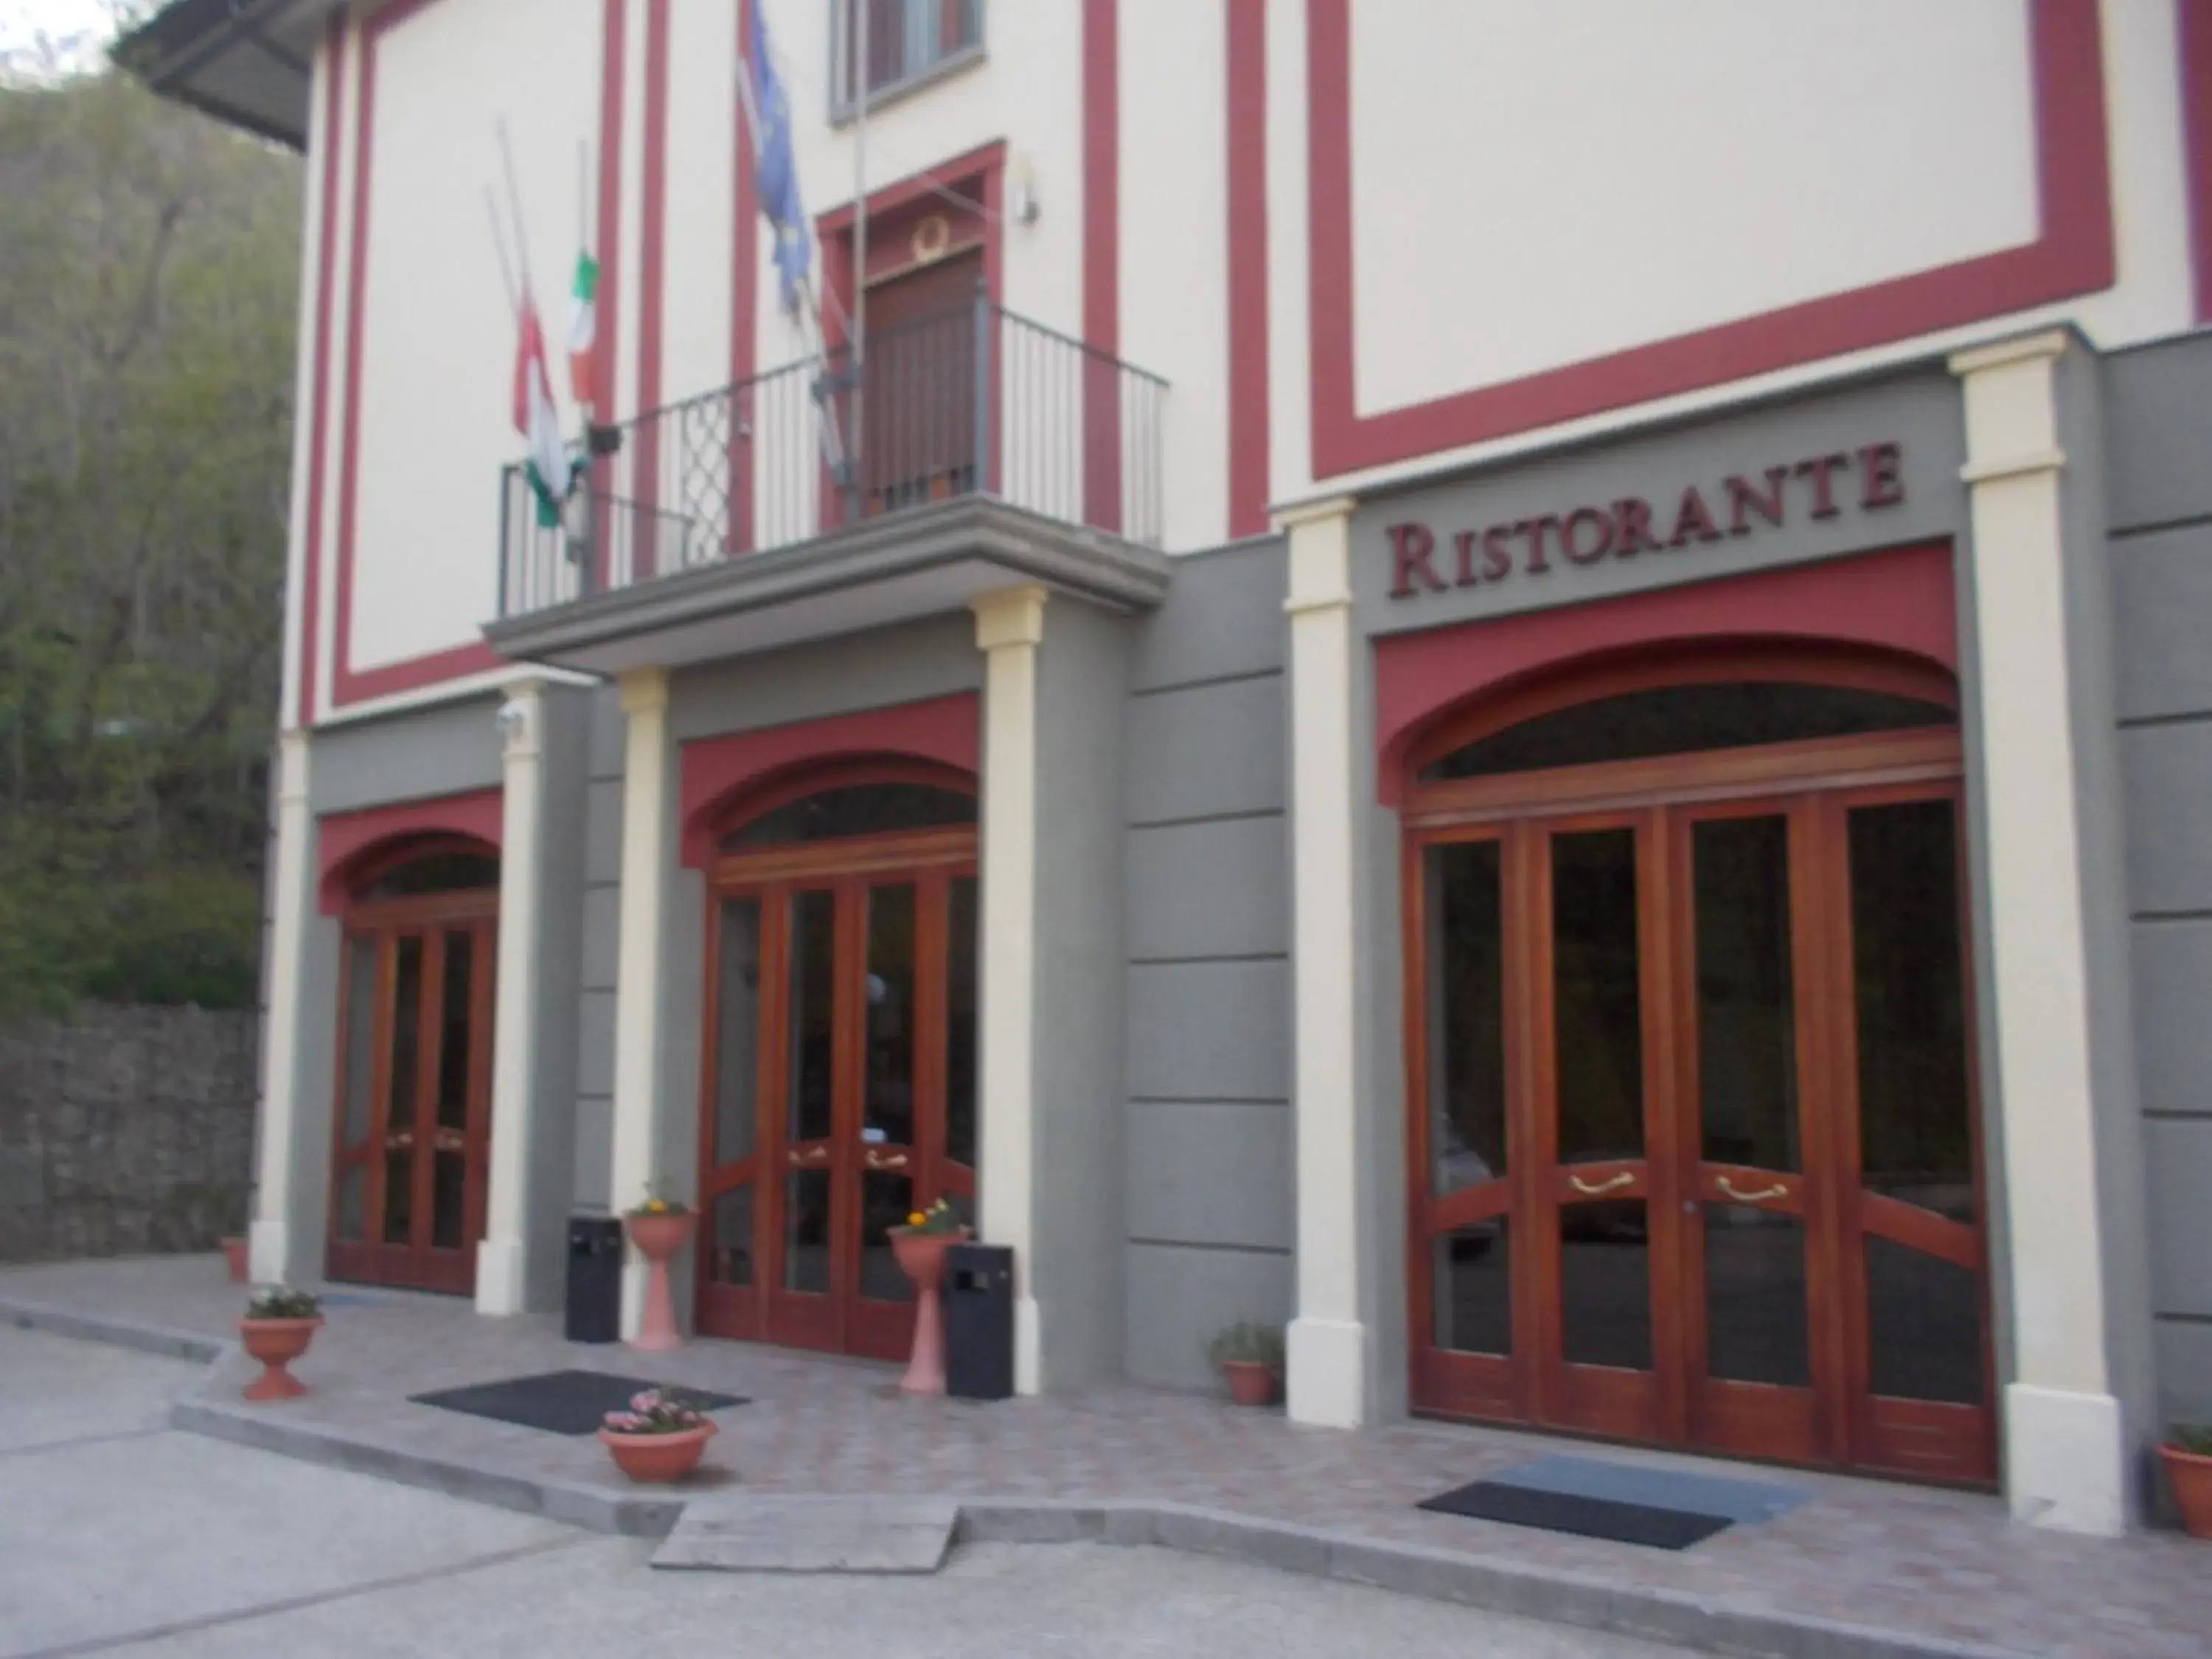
{"x": 1174, "y": 248}
{"x": 1534, "y": 185}
{"x": 1825, "y": 149}
{"x": 435, "y": 424}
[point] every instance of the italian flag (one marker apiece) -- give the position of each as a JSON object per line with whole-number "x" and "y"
{"x": 536, "y": 419}
{"x": 583, "y": 328}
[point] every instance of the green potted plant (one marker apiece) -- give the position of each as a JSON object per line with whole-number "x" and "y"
{"x": 278, "y": 1324}
{"x": 659, "y": 1438}
{"x": 2187, "y": 1455}
{"x": 1249, "y": 1355}
{"x": 659, "y": 1225}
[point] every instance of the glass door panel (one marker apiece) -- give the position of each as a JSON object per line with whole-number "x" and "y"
{"x": 1602, "y": 1353}
{"x": 1747, "y": 1256}
{"x": 1918, "y": 1262}
{"x": 890, "y": 1095}
{"x": 1597, "y": 1058}
{"x": 406, "y": 1051}
{"x": 730, "y": 1133}
{"x": 1463, "y": 1271}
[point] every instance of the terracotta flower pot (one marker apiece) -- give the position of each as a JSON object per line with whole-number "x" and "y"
{"x": 2189, "y": 1476}
{"x": 234, "y": 1256}
{"x": 1251, "y": 1381}
{"x": 658, "y": 1458}
{"x": 921, "y": 1257}
{"x": 658, "y": 1238}
{"x": 277, "y": 1343}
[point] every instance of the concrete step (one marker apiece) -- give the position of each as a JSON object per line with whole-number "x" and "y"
{"x": 740, "y": 1532}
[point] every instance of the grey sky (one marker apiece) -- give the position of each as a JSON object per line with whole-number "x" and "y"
{"x": 22, "y": 20}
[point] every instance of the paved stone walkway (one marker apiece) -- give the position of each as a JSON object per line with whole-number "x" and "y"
{"x": 1917, "y": 1561}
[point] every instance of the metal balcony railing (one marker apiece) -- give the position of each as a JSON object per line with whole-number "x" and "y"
{"x": 974, "y": 400}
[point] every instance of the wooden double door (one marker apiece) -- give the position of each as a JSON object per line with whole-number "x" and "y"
{"x": 1694, "y": 1148}
{"x": 839, "y": 1082}
{"x": 412, "y": 1130}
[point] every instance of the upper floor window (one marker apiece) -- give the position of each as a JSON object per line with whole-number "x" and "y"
{"x": 899, "y": 43}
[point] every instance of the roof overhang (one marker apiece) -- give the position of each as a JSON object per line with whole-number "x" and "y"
{"x": 248, "y": 62}
{"x": 922, "y": 562}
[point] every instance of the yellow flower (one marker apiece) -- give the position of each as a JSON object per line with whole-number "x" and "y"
{"x": 917, "y": 1219}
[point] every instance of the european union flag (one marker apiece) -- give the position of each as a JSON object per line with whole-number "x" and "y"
{"x": 775, "y": 174}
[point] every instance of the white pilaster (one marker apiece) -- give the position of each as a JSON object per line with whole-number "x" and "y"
{"x": 636, "y": 1153}
{"x": 2065, "y": 1452}
{"x": 1327, "y": 1359}
{"x": 499, "y": 1257}
{"x": 270, "y": 1243}
{"x": 1008, "y": 626}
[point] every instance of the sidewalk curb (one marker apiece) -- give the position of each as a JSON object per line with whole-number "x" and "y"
{"x": 163, "y": 1340}
{"x": 1559, "y": 1598}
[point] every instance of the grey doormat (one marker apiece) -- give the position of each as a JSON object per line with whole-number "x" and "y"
{"x": 1587, "y": 1518}
{"x": 1745, "y": 1501}
{"x": 561, "y": 1402}
{"x": 1659, "y": 1507}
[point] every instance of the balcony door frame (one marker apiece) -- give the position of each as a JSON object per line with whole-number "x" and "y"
{"x": 1812, "y": 785}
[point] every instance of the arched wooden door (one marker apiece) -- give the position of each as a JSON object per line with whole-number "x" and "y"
{"x": 839, "y": 1074}
{"x": 1694, "y": 1152}
{"x": 412, "y": 1123}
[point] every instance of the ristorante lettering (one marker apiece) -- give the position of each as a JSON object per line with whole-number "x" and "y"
{"x": 1818, "y": 487}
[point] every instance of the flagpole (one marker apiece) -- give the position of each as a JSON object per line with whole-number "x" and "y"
{"x": 499, "y": 246}
{"x": 862, "y": 31}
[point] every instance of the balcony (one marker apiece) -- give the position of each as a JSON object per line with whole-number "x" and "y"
{"x": 975, "y": 448}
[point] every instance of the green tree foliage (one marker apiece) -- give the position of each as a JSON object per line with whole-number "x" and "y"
{"x": 149, "y": 263}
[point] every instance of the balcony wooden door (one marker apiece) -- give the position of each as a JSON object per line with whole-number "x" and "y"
{"x": 1694, "y": 1145}
{"x": 840, "y": 1077}
{"x": 918, "y": 408}
{"x": 413, "y": 1104}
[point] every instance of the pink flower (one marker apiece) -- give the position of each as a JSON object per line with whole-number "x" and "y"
{"x": 645, "y": 1401}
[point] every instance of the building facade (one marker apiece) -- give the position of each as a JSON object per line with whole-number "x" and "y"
{"x": 1522, "y": 686}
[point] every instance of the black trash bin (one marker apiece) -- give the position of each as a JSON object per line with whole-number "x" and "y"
{"x": 595, "y": 1263}
{"x": 979, "y": 1321}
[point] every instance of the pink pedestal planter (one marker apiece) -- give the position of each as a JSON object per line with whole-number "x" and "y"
{"x": 277, "y": 1343}
{"x": 658, "y": 1238}
{"x": 234, "y": 1258}
{"x": 921, "y": 1259}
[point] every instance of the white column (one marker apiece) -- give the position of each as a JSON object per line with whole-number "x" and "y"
{"x": 276, "y": 1176}
{"x": 1326, "y": 1368}
{"x": 2064, "y": 1446}
{"x": 636, "y": 1153}
{"x": 500, "y": 1257}
{"x": 1008, "y": 626}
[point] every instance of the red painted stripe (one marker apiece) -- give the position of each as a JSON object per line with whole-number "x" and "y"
{"x": 2195, "y": 24}
{"x": 745, "y": 259}
{"x": 2072, "y": 255}
{"x": 319, "y": 382}
{"x": 1102, "y": 262}
{"x": 652, "y": 288}
{"x": 1248, "y": 267}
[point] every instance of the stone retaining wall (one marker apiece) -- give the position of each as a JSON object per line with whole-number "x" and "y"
{"x": 124, "y": 1131}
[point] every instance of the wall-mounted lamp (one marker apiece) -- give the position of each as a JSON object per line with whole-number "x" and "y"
{"x": 1022, "y": 195}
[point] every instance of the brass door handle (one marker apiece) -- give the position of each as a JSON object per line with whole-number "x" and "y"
{"x": 1778, "y": 1190}
{"x": 1599, "y": 1189}
{"x": 399, "y": 1142}
{"x": 804, "y": 1155}
{"x": 450, "y": 1140}
{"x": 876, "y": 1160}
